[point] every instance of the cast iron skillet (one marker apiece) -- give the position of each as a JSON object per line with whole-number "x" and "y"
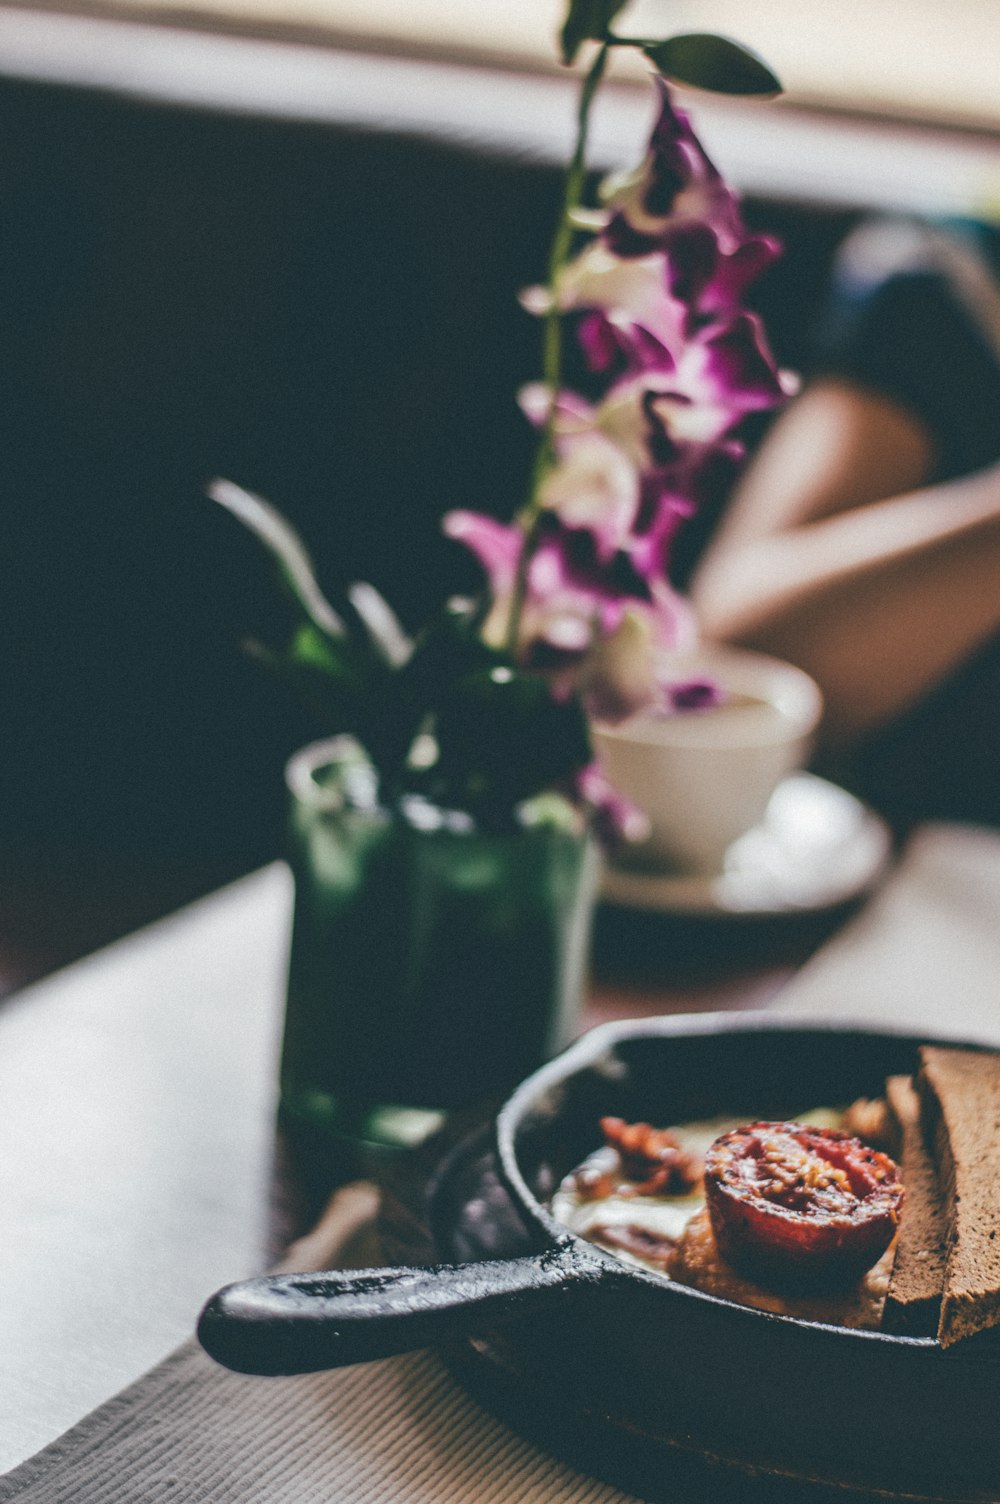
{"x": 814, "y": 1399}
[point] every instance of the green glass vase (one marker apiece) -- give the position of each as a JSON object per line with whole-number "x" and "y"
{"x": 432, "y": 965}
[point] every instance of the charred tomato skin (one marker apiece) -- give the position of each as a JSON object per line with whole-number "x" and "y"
{"x": 793, "y": 1206}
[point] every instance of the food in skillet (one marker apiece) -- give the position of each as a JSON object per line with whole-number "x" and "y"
{"x": 797, "y": 1207}
{"x": 959, "y": 1092}
{"x": 913, "y": 1303}
{"x": 769, "y": 1198}
{"x": 946, "y": 1275}
{"x": 809, "y": 1219}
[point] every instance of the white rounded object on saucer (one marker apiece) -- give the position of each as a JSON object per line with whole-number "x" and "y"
{"x": 817, "y": 846}
{"x": 703, "y": 778}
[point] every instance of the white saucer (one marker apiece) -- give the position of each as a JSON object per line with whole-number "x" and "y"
{"x": 817, "y": 846}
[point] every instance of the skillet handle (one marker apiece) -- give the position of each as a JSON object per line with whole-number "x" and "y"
{"x": 299, "y": 1323}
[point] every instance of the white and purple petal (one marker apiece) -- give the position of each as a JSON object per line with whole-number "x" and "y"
{"x": 615, "y": 819}
{"x": 619, "y": 676}
{"x": 593, "y": 484}
{"x": 730, "y": 364}
{"x": 677, "y": 181}
{"x": 497, "y": 545}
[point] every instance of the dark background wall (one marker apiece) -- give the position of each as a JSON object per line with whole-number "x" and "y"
{"x": 325, "y": 316}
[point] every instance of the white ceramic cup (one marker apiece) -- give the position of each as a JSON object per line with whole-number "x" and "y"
{"x": 703, "y": 778}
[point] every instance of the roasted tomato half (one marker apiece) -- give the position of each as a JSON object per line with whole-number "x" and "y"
{"x": 795, "y": 1206}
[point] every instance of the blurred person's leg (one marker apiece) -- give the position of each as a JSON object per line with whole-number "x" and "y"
{"x": 864, "y": 540}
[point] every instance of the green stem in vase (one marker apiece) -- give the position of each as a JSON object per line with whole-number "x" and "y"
{"x": 562, "y": 243}
{"x": 552, "y": 340}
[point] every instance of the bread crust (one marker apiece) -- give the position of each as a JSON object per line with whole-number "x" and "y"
{"x": 913, "y": 1303}
{"x": 960, "y": 1117}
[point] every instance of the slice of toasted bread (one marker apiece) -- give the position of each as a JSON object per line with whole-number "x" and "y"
{"x": 960, "y": 1114}
{"x": 913, "y": 1304}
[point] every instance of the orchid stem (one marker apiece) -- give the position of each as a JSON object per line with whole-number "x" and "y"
{"x": 552, "y": 339}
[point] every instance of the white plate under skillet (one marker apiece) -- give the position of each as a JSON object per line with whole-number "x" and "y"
{"x": 817, "y": 847}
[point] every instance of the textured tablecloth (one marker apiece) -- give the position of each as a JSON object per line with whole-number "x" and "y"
{"x": 925, "y": 953}
{"x": 401, "y": 1429}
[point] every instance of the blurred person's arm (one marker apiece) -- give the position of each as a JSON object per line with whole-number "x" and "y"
{"x": 837, "y": 555}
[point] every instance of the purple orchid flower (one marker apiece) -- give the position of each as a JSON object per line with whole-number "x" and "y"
{"x": 691, "y": 286}
{"x": 673, "y": 261}
{"x": 628, "y": 294}
{"x": 723, "y": 373}
{"x": 616, "y": 820}
{"x": 676, "y": 182}
{"x": 657, "y": 303}
{"x": 593, "y": 484}
{"x": 667, "y": 505}
{"x": 613, "y": 347}
{"x": 688, "y": 276}
{"x": 706, "y": 277}
{"x": 497, "y": 546}
{"x": 575, "y": 596}
{"x": 570, "y": 582}
{"x": 730, "y": 361}
{"x": 693, "y": 694}
{"x": 632, "y": 468}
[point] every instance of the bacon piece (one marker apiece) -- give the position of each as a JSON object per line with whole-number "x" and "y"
{"x": 652, "y": 1158}
{"x": 652, "y": 1247}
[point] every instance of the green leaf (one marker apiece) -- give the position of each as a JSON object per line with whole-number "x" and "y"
{"x": 333, "y": 691}
{"x": 705, "y": 61}
{"x": 381, "y": 623}
{"x": 314, "y": 649}
{"x": 550, "y": 811}
{"x": 351, "y": 675}
{"x": 586, "y": 21}
{"x": 280, "y": 538}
